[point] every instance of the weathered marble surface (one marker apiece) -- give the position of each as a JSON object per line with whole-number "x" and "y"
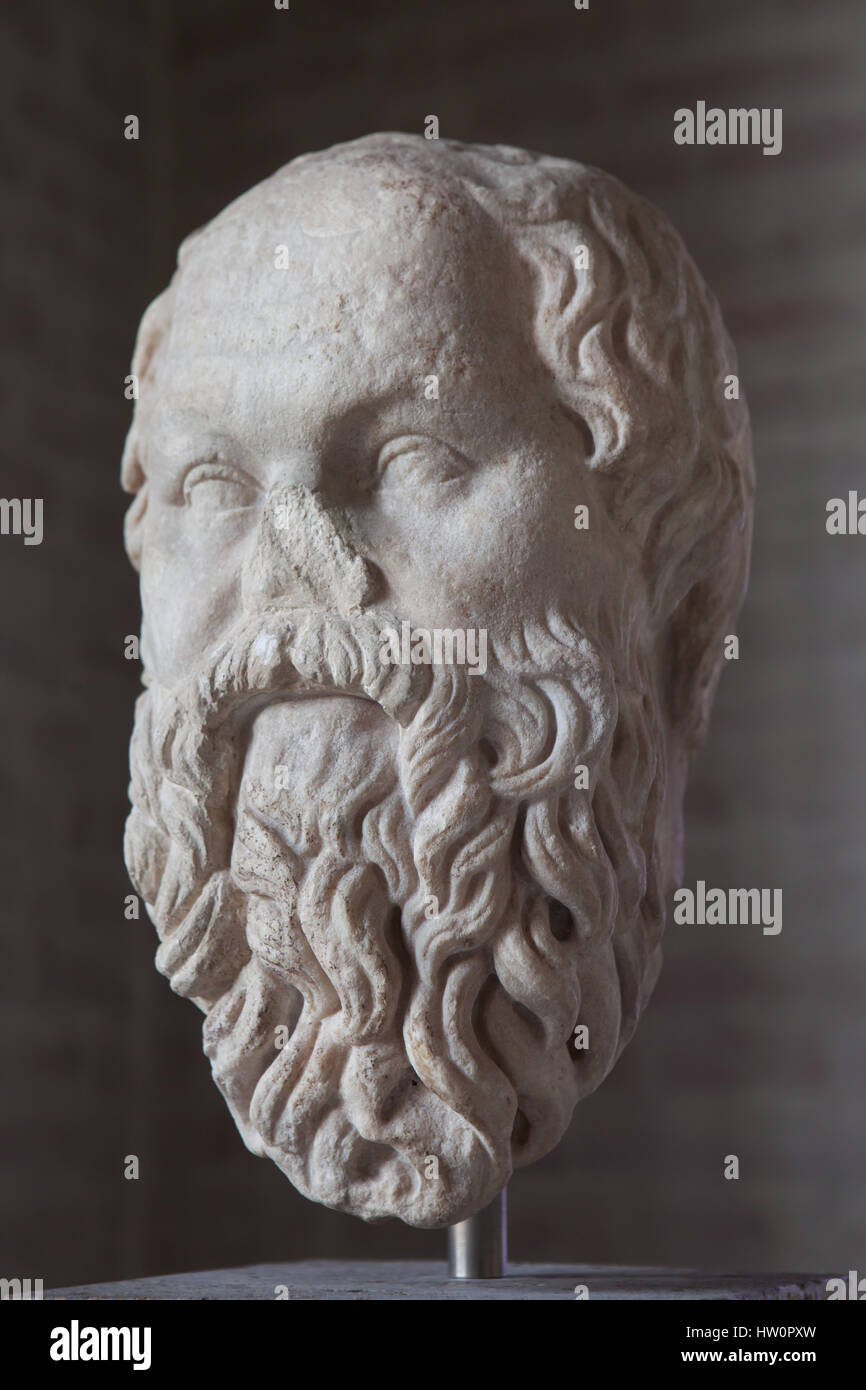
{"x": 418, "y": 387}
{"x": 428, "y": 1281}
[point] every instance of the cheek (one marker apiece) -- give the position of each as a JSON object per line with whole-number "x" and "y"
{"x": 490, "y": 558}
{"x": 190, "y": 595}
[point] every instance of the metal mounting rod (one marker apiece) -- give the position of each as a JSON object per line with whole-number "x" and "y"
{"x": 478, "y": 1247}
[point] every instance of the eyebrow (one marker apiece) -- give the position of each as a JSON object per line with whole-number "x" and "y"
{"x": 197, "y": 438}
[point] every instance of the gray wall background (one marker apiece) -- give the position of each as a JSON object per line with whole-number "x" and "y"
{"x": 753, "y": 1045}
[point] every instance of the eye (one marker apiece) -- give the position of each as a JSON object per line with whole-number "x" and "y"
{"x": 218, "y": 486}
{"x": 415, "y": 460}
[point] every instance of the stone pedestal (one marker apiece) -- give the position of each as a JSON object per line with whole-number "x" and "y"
{"x": 425, "y": 1281}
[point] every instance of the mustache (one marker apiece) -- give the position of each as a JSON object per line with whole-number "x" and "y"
{"x": 305, "y": 651}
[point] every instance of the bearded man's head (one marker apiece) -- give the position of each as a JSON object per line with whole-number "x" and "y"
{"x": 442, "y": 513}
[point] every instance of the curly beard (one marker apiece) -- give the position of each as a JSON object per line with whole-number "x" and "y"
{"x": 416, "y": 941}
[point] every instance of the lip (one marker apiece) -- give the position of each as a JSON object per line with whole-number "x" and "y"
{"x": 321, "y": 693}
{"x": 301, "y": 697}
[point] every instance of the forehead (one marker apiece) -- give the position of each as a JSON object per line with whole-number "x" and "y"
{"x": 331, "y": 288}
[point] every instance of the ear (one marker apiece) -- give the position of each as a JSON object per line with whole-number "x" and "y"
{"x": 152, "y": 332}
{"x": 133, "y": 527}
{"x": 154, "y": 327}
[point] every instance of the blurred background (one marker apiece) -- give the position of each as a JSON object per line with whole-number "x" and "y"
{"x": 753, "y": 1045}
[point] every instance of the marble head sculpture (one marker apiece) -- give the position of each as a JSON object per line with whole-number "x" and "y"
{"x": 442, "y": 516}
